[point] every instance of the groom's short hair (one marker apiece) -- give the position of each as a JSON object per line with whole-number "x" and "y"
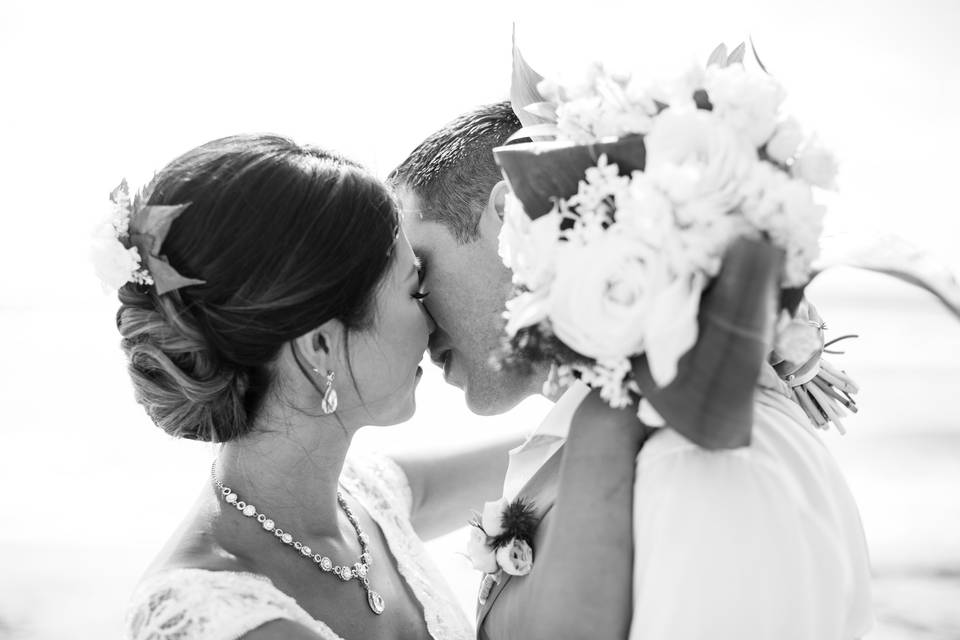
{"x": 452, "y": 171}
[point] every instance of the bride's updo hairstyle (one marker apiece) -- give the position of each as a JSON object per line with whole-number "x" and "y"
{"x": 286, "y": 237}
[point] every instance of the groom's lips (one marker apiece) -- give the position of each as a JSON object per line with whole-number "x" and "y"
{"x": 441, "y": 359}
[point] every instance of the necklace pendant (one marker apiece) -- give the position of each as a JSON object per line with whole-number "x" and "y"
{"x": 375, "y": 600}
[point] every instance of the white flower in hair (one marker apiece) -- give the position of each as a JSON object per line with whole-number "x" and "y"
{"x": 127, "y": 247}
{"x": 117, "y": 265}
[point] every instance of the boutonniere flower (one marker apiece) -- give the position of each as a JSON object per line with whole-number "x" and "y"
{"x": 501, "y": 537}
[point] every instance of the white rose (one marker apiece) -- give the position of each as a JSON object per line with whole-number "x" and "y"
{"x": 113, "y": 263}
{"x": 786, "y": 140}
{"x": 491, "y": 519}
{"x": 481, "y": 556}
{"x": 677, "y": 90}
{"x": 745, "y": 98}
{"x": 516, "y": 557}
{"x": 817, "y": 166}
{"x": 699, "y": 162}
{"x": 645, "y": 211}
{"x": 603, "y": 293}
{"x": 528, "y": 247}
{"x": 618, "y": 122}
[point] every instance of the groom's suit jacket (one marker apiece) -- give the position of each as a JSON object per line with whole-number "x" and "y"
{"x": 533, "y": 472}
{"x": 771, "y": 529}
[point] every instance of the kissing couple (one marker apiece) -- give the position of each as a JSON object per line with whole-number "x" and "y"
{"x": 281, "y": 297}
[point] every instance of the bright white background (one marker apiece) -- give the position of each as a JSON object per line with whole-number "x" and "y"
{"x": 91, "y": 92}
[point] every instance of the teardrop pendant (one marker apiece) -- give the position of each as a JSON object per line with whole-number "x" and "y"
{"x": 329, "y": 403}
{"x": 375, "y": 600}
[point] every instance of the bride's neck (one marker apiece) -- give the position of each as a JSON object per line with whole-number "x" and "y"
{"x": 289, "y": 469}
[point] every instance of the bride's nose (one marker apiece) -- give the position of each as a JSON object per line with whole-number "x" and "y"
{"x": 431, "y": 324}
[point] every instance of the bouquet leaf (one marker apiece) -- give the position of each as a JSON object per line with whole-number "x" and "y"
{"x": 545, "y": 110}
{"x": 538, "y": 175}
{"x": 894, "y": 256}
{"x": 756, "y": 56}
{"x": 523, "y": 87}
{"x": 737, "y": 54}
{"x": 542, "y": 130}
{"x": 719, "y": 56}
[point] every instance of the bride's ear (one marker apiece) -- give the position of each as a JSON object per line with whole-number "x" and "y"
{"x": 315, "y": 351}
{"x": 492, "y": 217}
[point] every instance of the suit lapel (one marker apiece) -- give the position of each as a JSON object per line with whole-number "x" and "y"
{"x": 541, "y": 490}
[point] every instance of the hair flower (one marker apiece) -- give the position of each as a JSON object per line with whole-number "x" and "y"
{"x": 126, "y": 248}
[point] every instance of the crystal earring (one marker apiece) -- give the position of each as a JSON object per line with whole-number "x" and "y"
{"x": 329, "y": 403}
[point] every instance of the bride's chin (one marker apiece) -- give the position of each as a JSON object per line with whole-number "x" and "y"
{"x": 402, "y": 410}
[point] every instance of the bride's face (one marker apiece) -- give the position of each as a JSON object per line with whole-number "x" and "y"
{"x": 384, "y": 359}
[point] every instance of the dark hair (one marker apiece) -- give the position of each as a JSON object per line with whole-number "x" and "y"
{"x": 453, "y": 170}
{"x": 286, "y": 237}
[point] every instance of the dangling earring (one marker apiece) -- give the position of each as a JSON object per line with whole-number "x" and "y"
{"x": 329, "y": 403}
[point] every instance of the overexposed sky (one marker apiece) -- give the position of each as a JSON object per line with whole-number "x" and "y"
{"x": 96, "y": 91}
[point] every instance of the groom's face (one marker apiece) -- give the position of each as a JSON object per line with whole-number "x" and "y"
{"x": 468, "y": 287}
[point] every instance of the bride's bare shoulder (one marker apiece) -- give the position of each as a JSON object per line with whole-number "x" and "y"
{"x": 197, "y": 543}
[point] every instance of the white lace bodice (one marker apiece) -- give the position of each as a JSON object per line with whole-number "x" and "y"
{"x": 197, "y": 604}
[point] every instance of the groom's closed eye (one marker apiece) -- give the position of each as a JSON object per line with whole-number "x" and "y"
{"x": 420, "y": 267}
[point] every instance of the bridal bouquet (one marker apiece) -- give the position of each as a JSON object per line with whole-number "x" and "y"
{"x": 631, "y": 201}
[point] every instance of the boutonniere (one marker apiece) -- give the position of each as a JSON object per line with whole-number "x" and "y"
{"x": 501, "y": 537}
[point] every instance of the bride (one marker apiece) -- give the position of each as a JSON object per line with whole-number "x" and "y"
{"x": 277, "y": 315}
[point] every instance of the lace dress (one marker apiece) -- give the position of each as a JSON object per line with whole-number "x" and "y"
{"x": 197, "y": 604}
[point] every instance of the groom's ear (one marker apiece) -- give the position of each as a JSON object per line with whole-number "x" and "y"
{"x": 491, "y": 219}
{"x": 498, "y": 199}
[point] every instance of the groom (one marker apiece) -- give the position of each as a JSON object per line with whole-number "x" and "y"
{"x": 453, "y": 199}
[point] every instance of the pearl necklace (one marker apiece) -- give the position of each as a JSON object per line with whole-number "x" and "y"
{"x": 359, "y": 570}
